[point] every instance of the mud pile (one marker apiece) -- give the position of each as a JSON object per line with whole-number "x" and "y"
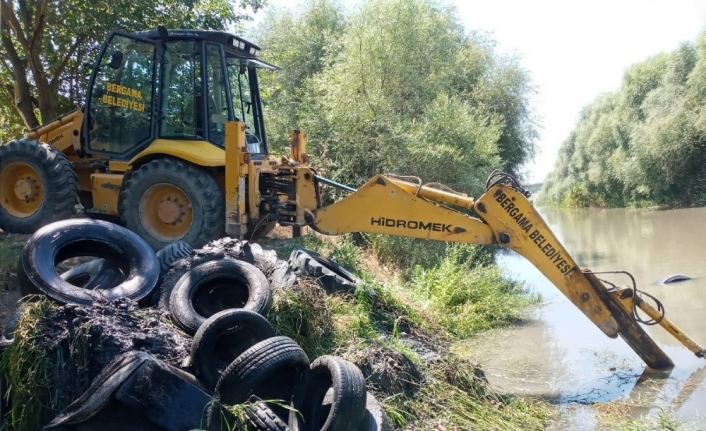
{"x": 68, "y": 363}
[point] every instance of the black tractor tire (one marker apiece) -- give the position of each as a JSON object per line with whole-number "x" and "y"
{"x": 332, "y": 277}
{"x": 216, "y": 286}
{"x": 81, "y": 237}
{"x": 59, "y": 185}
{"x": 270, "y": 369}
{"x": 170, "y": 253}
{"x": 262, "y": 418}
{"x": 206, "y": 203}
{"x": 347, "y": 408}
{"x": 222, "y": 338}
{"x": 94, "y": 274}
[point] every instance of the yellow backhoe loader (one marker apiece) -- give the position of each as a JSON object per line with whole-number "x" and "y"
{"x": 171, "y": 141}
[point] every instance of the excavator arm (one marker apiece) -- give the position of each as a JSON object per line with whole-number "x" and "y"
{"x": 287, "y": 191}
{"x": 393, "y": 206}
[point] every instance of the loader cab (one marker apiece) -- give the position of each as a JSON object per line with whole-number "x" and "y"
{"x": 174, "y": 85}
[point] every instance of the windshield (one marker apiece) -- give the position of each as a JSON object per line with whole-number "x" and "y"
{"x": 242, "y": 102}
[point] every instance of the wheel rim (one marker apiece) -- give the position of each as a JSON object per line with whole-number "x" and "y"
{"x": 166, "y": 212}
{"x": 21, "y": 189}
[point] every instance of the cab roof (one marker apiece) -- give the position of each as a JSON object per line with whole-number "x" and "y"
{"x": 233, "y": 43}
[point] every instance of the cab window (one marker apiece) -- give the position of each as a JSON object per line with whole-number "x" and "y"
{"x": 181, "y": 91}
{"x": 120, "y": 116}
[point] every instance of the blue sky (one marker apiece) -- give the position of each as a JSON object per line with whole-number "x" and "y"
{"x": 574, "y": 50}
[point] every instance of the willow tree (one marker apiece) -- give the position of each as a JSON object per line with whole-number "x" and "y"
{"x": 400, "y": 86}
{"x": 644, "y": 144}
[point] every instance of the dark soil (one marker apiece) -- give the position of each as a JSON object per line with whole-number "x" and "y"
{"x": 389, "y": 372}
{"x": 111, "y": 328}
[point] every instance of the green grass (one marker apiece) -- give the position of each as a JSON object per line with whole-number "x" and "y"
{"x": 34, "y": 367}
{"x": 456, "y": 396}
{"x": 463, "y": 295}
{"x": 662, "y": 422}
{"x": 10, "y": 249}
{"x": 466, "y": 298}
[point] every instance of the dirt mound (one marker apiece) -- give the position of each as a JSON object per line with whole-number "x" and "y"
{"x": 389, "y": 371}
{"x": 59, "y": 350}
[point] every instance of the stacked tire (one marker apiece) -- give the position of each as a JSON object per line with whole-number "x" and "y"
{"x": 223, "y": 304}
{"x": 331, "y": 276}
{"x": 126, "y": 267}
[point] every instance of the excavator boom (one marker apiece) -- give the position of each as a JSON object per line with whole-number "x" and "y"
{"x": 393, "y": 206}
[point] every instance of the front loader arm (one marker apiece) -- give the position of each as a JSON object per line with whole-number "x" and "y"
{"x": 391, "y": 206}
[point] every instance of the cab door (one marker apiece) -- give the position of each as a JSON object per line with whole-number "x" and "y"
{"x": 119, "y": 109}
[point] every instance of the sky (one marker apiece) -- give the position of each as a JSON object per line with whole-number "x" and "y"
{"x": 573, "y": 50}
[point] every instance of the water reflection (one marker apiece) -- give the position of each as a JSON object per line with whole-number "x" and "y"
{"x": 563, "y": 357}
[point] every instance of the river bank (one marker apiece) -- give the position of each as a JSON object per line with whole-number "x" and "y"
{"x": 596, "y": 380}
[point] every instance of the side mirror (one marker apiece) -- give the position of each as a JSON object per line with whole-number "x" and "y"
{"x": 116, "y": 60}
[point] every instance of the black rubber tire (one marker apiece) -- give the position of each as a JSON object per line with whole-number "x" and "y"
{"x": 79, "y": 237}
{"x": 94, "y": 274}
{"x": 376, "y": 419}
{"x": 332, "y": 277}
{"x": 262, "y": 418}
{"x": 206, "y": 198}
{"x": 170, "y": 253}
{"x": 270, "y": 369}
{"x": 347, "y": 408}
{"x": 216, "y": 286}
{"x": 59, "y": 181}
{"x": 222, "y": 338}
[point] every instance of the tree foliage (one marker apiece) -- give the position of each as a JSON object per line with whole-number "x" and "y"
{"x": 46, "y": 43}
{"x": 398, "y": 86}
{"x": 642, "y": 145}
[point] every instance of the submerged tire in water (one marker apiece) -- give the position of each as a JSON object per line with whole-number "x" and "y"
{"x": 347, "y": 408}
{"x": 222, "y": 338}
{"x": 332, "y": 276}
{"x": 66, "y": 239}
{"x": 216, "y": 286}
{"x": 94, "y": 274}
{"x": 270, "y": 369}
{"x": 675, "y": 278}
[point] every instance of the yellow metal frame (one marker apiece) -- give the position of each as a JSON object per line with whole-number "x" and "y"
{"x": 201, "y": 153}
{"x": 63, "y": 133}
{"x": 517, "y": 225}
{"x": 236, "y": 173}
{"x": 383, "y": 206}
{"x": 394, "y": 207}
{"x": 105, "y": 189}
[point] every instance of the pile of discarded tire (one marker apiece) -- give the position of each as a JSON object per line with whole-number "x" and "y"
{"x": 235, "y": 358}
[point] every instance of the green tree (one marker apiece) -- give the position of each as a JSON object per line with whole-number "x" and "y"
{"x": 302, "y": 45}
{"x": 398, "y": 87}
{"x": 45, "y": 44}
{"x": 644, "y": 144}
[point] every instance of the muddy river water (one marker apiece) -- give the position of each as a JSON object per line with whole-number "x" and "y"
{"x": 559, "y": 355}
